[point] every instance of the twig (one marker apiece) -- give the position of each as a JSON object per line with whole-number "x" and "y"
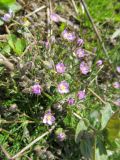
{"x": 68, "y": 23}
{"x": 32, "y": 143}
{"x": 95, "y": 29}
{"x": 9, "y": 122}
{"x": 97, "y": 95}
{"x": 5, "y": 152}
{"x": 37, "y": 10}
{"x": 6, "y": 62}
{"x": 96, "y": 75}
{"x": 76, "y": 115}
{"x": 74, "y": 4}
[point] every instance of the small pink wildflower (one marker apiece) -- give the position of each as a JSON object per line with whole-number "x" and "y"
{"x": 61, "y": 136}
{"x": 80, "y": 42}
{"x": 80, "y": 53}
{"x": 63, "y": 87}
{"x": 54, "y": 17}
{"x": 71, "y": 101}
{"x": 118, "y": 69}
{"x": 7, "y": 17}
{"x": 81, "y": 95}
{"x": 84, "y": 68}
{"x": 48, "y": 118}
{"x": 36, "y": 89}
{"x": 60, "y": 67}
{"x": 70, "y": 36}
{"x": 116, "y": 85}
{"x": 99, "y": 62}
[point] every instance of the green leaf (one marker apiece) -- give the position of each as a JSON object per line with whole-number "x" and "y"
{"x": 17, "y": 44}
{"x": 6, "y": 49}
{"x": 80, "y": 128}
{"x": 20, "y": 46}
{"x": 100, "y": 150}
{"x": 86, "y": 146}
{"x": 106, "y": 113}
{"x": 12, "y": 40}
{"x": 15, "y": 7}
{"x": 4, "y": 4}
{"x": 113, "y": 127}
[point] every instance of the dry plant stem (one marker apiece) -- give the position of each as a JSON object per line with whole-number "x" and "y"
{"x": 97, "y": 95}
{"x": 32, "y": 143}
{"x": 37, "y": 10}
{"x": 49, "y": 22}
{"x": 9, "y": 122}
{"x": 6, "y": 62}
{"x": 3, "y": 37}
{"x": 96, "y": 75}
{"x": 68, "y": 23}
{"x": 95, "y": 29}
{"x": 76, "y": 115}
{"x": 5, "y": 152}
{"x": 74, "y": 4}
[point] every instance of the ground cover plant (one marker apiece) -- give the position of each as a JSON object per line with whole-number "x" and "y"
{"x": 59, "y": 80}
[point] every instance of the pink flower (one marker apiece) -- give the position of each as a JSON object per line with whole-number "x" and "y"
{"x": 60, "y": 68}
{"x": 8, "y": 16}
{"x": 61, "y": 136}
{"x": 63, "y": 87}
{"x": 80, "y": 42}
{"x": 70, "y": 36}
{"x": 36, "y": 89}
{"x": 84, "y": 68}
{"x": 71, "y": 101}
{"x": 118, "y": 69}
{"x": 81, "y": 95}
{"x": 116, "y": 85}
{"x": 48, "y": 118}
{"x": 54, "y": 17}
{"x": 80, "y": 53}
{"x": 99, "y": 62}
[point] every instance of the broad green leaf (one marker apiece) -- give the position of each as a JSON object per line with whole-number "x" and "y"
{"x": 86, "y": 146}
{"x": 4, "y": 4}
{"x": 113, "y": 127}
{"x": 12, "y": 40}
{"x": 80, "y": 127}
{"x": 6, "y": 49}
{"x": 100, "y": 156}
{"x": 15, "y": 7}
{"x": 20, "y": 46}
{"x": 100, "y": 150}
{"x": 17, "y": 44}
{"x": 106, "y": 113}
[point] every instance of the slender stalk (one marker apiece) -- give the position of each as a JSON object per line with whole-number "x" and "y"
{"x": 95, "y": 29}
{"x": 97, "y": 95}
{"x": 37, "y": 10}
{"x": 74, "y": 4}
{"x": 19, "y": 154}
{"x": 5, "y": 152}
